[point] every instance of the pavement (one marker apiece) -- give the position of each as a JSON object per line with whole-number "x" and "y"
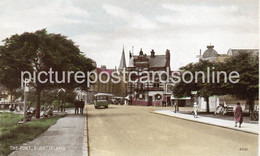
{"x": 246, "y": 127}
{"x": 67, "y": 138}
{"x": 134, "y": 130}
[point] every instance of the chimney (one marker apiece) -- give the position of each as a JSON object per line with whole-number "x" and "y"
{"x": 152, "y": 54}
{"x": 141, "y": 52}
{"x": 168, "y": 54}
{"x": 103, "y": 67}
{"x": 130, "y": 55}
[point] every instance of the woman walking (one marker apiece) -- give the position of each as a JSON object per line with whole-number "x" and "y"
{"x": 238, "y": 115}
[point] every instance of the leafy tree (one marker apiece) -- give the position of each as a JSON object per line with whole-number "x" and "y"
{"x": 40, "y": 51}
{"x": 183, "y": 89}
{"x": 247, "y": 65}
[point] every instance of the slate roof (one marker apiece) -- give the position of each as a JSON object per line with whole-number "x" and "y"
{"x": 237, "y": 51}
{"x": 157, "y": 61}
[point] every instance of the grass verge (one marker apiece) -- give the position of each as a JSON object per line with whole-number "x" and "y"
{"x": 12, "y": 133}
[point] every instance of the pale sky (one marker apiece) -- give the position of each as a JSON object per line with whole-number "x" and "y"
{"x": 101, "y": 28}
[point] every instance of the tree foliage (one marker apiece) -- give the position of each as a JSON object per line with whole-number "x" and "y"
{"x": 40, "y": 51}
{"x": 245, "y": 64}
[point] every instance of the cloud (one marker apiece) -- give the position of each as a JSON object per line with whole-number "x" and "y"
{"x": 101, "y": 29}
{"x": 206, "y": 16}
{"x": 134, "y": 20}
{"x": 17, "y": 19}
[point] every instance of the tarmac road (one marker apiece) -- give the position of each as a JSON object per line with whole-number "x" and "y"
{"x": 134, "y": 131}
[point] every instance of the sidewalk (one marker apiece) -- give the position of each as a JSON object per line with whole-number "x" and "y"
{"x": 246, "y": 127}
{"x": 67, "y": 137}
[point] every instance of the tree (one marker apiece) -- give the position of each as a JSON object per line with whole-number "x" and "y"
{"x": 183, "y": 89}
{"x": 40, "y": 51}
{"x": 247, "y": 65}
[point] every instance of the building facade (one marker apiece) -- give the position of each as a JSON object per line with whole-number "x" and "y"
{"x": 153, "y": 92}
{"x": 117, "y": 89}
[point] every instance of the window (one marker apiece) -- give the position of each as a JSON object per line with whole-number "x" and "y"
{"x": 158, "y": 97}
{"x": 156, "y": 83}
{"x": 140, "y": 96}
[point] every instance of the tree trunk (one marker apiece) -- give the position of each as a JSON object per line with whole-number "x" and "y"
{"x": 38, "y": 104}
{"x": 250, "y": 102}
{"x": 207, "y": 101}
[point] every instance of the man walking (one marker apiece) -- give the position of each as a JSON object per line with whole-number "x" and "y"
{"x": 82, "y": 105}
{"x": 238, "y": 115}
{"x": 76, "y": 105}
{"x": 195, "y": 107}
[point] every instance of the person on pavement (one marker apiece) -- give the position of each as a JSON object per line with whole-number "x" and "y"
{"x": 76, "y": 105}
{"x": 82, "y": 105}
{"x": 195, "y": 109}
{"x": 238, "y": 115}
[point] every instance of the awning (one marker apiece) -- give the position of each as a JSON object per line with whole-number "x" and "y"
{"x": 103, "y": 94}
{"x": 182, "y": 98}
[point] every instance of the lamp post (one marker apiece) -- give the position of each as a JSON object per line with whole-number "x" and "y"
{"x": 26, "y": 89}
{"x": 60, "y": 91}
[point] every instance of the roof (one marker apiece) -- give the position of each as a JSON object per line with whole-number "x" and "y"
{"x": 237, "y": 51}
{"x": 156, "y": 61}
{"x": 210, "y": 52}
{"x": 109, "y": 71}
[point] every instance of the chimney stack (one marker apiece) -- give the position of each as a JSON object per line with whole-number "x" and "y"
{"x": 103, "y": 67}
{"x": 167, "y": 54}
{"x": 152, "y": 54}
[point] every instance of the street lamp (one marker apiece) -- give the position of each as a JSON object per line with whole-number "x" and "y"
{"x": 60, "y": 91}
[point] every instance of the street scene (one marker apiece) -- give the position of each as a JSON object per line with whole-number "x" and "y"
{"x": 129, "y": 78}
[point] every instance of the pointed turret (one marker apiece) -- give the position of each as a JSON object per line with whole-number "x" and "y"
{"x": 122, "y": 64}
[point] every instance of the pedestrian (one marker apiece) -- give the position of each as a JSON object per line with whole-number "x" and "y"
{"x": 82, "y": 105}
{"x": 238, "y": 115}
{"x": 76, "y": 105}
{"x": 195, "y": 109}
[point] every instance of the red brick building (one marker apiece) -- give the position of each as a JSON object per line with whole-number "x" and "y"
{"x": 151, "y": 93}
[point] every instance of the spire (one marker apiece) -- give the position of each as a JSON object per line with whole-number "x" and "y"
{"x": 122, "y": 64}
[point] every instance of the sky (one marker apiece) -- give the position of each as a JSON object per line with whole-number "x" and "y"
{"x": 101, "y": 28}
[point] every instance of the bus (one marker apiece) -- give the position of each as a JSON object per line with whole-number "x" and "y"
{"x": 102, "y": 100}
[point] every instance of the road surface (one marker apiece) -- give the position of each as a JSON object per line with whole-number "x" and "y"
{"x": 135, "y": 131}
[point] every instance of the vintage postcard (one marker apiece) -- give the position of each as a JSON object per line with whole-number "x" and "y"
{"x": 129, "y": 78}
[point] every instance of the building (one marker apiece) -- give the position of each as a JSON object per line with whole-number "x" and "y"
{"x": 117, "y": 89}
{"x": 233, "y": 52}
{"x": 212, "y": 55}
{"x": 151, "y": 93}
